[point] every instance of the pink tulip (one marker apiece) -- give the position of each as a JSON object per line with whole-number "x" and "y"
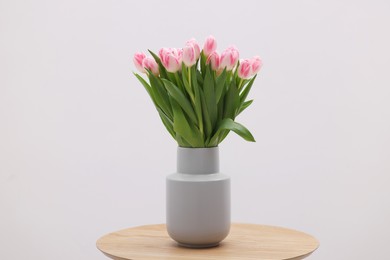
{"x": 245, "y": 69}
{"x": 171, "y": 58}
{"x": 210, "y": 45}
{"x": 256, "y": 64}
{"x": 138, "y": 59}
{"x": 229, "y": 58}
{"x": 150, "y": 64}
{"x": 249, "y": 67}
{"x": 195, "y": 45}
{"x": 214, "y": 60}
{"x": 189, "y": 55}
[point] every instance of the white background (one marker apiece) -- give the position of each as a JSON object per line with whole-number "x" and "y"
{"x": 83, "y": 153}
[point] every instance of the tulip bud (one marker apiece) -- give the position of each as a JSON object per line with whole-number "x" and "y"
{"x": 138, "y": 59}
{"x": 194, "y": 44}
{"x": 229, "y": 58}
{"x": 171, "y": 59}
{"x": 245, "y": 69}
{"x": 150, "y": 64}
{"x": 214, "y": 60}
{"x": 210, "y": 46}
{"x": 189, "y": 55}
{"x": 256, "y": 65}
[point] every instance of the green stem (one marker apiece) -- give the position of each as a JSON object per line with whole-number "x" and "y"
{"x": 190, "y": 84}
{"x": 229, "y": 79}
{"x": 178, "y": 81}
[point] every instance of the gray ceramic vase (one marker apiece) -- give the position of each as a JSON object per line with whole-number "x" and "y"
{"x": 198, "y": 199}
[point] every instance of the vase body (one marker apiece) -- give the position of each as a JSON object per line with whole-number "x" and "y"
{"x": 198, "y": 199}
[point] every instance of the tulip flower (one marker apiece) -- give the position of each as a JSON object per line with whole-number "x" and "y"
{"x": 210, "y": 46}
{"x": 245, "y": 69}
{"x": 229, "y": 58}
{"x": 150, "y": 64}
{"x": 195, "y": 45}
{"x": 256, "y": 64}
{"x": 214, "y": 60}
{"x": 138, "y": 59}
{"x": 189, "y": 55}
{"x": 171, "y": 58}
{"x": 249, "y": 67}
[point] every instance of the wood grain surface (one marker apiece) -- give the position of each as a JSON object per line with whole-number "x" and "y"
{"x": 245, "y": 241}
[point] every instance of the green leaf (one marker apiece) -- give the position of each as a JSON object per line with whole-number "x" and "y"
{"x": 246, "y": 89}
{"x": 156, "y": 98}
{"x": 209, "y": 94}
{"x": 181, "y": 142}
{"x": 167, "y": 122}
{"x": 146, "y": 86}
{"x": 206, "y": 117}
{"x": 171, "y": 77}
{"x": 186, "y": 81}
{"x": 203, "y": 60}
{"x": 179, "y": 97}
{"x": 244, "y": 106}
{"x": 229, "y": 124}
{"x": 221, "y": 106}
{"x": 160, "y": 95}
{"x": 179, "y": 81}
{"x": 232, "y": 102}
{"x": 200, "y": 78}
{"x": 164, "y": 117}
{"x": 220, "y": 84}
{"x": 184, "y": 128}
{"x": 197, "y": 101}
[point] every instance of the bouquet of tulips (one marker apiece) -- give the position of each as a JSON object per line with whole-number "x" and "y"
{"x": 199, "y": 93}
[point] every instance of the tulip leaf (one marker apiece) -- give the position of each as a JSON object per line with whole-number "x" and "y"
{"x": 220, "y": 84}
{"x": 164, "y": 117}
{"x": 146, "y": 86}
{"x": 167, "y": 122}
{"x": 232, "y": 101}
{"x": 229, "y": 124}
{"x": 160, "y": 94}
{"x": 181, "y": 99}
{"x": 246, "y": 89}
{"x": 206, "y": 117}
{"x": 151, "y": 94}
{"x": 179, "y": 81}
{"x": 209, "y": 94}
{"x": 244, "y": 106}
{"x": 185, "y": 128}
{"x": 186, "y": 80}
{"x": 171, "y": 77}
{"x": 181, "y": 142}
{"x": 200, "y": 78}
{"x": 203, "y": 60}
{"x": 197, "y": 99}
{"x": 221, "y": 106}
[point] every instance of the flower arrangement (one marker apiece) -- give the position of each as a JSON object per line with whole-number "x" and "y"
{"x": 199, "y": 93}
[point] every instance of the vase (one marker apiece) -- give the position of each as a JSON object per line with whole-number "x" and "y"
{"x": 198, "y": 199}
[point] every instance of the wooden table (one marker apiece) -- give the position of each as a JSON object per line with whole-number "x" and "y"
{"x": 245, "y": 241}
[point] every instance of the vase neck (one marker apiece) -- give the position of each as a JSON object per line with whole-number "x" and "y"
{"x": 198, "y": 160}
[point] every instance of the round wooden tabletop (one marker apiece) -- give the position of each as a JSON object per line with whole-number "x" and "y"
{"x": 245, "y": 241}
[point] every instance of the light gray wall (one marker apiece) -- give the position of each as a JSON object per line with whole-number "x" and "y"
{"x": 83, "y": 153}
